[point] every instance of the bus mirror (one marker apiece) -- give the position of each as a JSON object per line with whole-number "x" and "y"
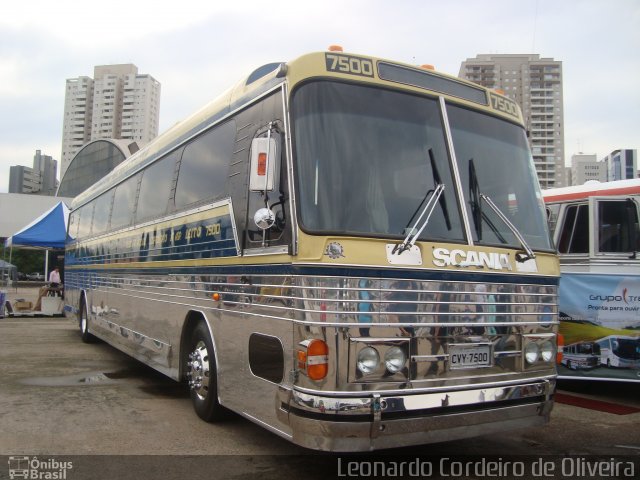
{"x": 264, "y": 162}
{"x": 264, "y": 218}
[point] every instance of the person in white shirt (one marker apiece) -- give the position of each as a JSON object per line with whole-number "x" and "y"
{"x": 54, "y": 277}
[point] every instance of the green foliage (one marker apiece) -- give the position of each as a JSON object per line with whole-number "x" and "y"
{"x": 27, "y": 261}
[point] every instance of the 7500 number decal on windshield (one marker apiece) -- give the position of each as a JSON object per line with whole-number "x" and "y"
{"x": 505, "y": 105}
{"x": 349, "y": 64}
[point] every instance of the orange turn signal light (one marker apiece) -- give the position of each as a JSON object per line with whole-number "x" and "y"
{"x": 560, "y": 348}
{"x": 313, "y": 358}
{"x": 216, "y": 296}
{"x": 427, "y": 66}
{"x": 335, "y": 48}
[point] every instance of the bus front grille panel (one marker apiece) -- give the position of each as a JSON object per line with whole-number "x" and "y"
{"x": 340, "y": 300}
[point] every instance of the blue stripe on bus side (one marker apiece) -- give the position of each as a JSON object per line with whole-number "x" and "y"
{"x": 337, "y": 271}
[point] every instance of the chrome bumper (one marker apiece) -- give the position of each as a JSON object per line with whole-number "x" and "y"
{"x": 377, "y": 421}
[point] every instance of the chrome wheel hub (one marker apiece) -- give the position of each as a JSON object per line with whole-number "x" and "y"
{"x": 198, "y": 370}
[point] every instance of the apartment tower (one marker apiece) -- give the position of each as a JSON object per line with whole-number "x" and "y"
{"x": 536, "y": 85}
{"x": 117, "y": 103}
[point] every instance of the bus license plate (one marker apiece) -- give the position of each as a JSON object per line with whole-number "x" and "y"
{"x": 468, "y": 355}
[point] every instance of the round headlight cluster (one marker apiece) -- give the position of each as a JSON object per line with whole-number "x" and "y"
{"x": 539, "y": 351}
{"x": 368, "y": 360}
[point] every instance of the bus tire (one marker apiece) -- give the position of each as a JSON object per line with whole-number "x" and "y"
{"x": 83, "y": 323}
{"x": 202, "y": 375}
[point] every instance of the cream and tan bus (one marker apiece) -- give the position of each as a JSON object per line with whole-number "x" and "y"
{"x": 349, "y": 251}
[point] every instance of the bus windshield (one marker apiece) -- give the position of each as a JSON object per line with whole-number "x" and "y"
{"x": 494, "y": 160}
{"x": 368, "y": 161}
{"x": 626, "y": 348}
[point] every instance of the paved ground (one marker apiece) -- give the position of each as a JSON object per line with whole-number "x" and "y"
{"x": 59, "y": 396}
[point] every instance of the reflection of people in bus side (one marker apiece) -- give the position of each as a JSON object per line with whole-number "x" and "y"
{"x": 440, "y": 334}
{"x": 364, "y": 306}
{"x": 409, "y": 304}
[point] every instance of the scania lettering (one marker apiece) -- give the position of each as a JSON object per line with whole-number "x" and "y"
{"x": 461, "y": 258}
{"x": 348, "y": 251}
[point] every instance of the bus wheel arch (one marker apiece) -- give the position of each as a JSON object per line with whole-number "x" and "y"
{"x": 199, "y": 367}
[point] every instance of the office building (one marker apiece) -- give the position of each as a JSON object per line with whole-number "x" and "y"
{"x": 117, "y": 103}
{"x": 536, "y": 85}
{"x": 586, "y": 167}
{"x": 41, "y": 179}
{"x": 48, "y": 169}
{"x": 23, "y": 179}
{"x": 622, "y": 164}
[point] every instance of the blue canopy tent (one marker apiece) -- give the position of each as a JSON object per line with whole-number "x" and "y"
{"x": 47, "y": 231}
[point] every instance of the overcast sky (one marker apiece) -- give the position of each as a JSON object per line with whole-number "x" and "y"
{"x": 198, "y": 48}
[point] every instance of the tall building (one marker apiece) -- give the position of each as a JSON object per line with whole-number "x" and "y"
{"x": 536, "y": 85}
{"x": 78, "y": 112}
{"x": 118, "y": 103}
{"x": 587, "y": 167}
{"x": 622, "y": 164}
{"x": 41, "y": 179}
{"x": 48, "y": 168}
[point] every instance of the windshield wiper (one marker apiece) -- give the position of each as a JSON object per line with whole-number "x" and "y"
{"x": 478, "y": 215}
{"x": 476, "y": 206}
{"x": 436, "y": 178}
{"x": 413, "y": 235}
{"x": 520, "y": 257}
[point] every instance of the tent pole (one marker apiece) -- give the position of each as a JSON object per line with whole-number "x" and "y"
{"x": 46, "y": 265}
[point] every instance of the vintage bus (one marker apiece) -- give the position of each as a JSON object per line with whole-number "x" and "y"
{"x": 595, "y": 228}
{"x": 581, "y": 355}
{"x": 351, "y": 252}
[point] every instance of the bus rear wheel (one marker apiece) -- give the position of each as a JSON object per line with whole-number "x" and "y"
{"x": 201, "y": 374}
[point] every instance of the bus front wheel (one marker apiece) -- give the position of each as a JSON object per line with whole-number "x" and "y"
{"x": 83, "y": 321}
{"x": 201, "y": 374}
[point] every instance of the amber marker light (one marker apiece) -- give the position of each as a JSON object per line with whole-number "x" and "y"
{"x": 499, "y": 91}
{"x": 313, "y": 359}
{"x": 426, "y": 66}
{"x": 262, "y": 164}
{"x": 216, "y": 296}
{"x": 560, "y": 348}
{"x": 335, "y": 48}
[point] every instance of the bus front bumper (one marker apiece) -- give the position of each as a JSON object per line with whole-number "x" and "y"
{"x": 352, "y": 424}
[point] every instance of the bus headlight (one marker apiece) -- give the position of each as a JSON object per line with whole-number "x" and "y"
{"x": 368, "y": 360}
{"x": 531, "y": 352}
{"x": 395, "y": 359}
{"x": 546, "y": 351}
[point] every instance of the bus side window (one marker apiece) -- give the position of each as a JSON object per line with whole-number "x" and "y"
{"x": 574, "y": 237}
{"x": 155, "y": 187}
{"x": 123, "y": 203}
{"x": 204, "y": 168}
{"x": 617, "y": 224}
